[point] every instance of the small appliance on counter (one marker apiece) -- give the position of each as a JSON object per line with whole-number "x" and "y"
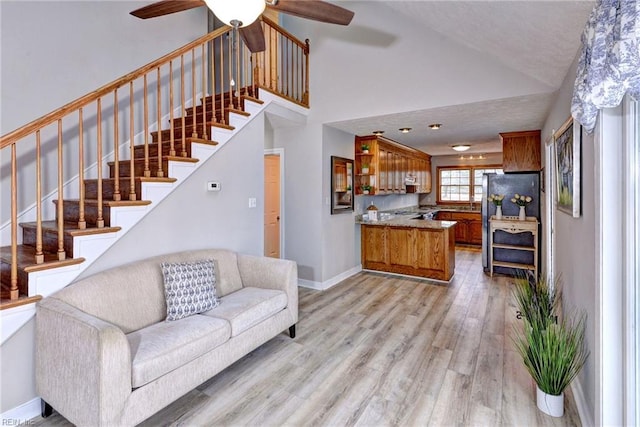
{"x": 372, "y": 212}
{"x": 509, "y": 184}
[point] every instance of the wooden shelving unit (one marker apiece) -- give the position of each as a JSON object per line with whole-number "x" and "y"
{"x": 513, "y": 225}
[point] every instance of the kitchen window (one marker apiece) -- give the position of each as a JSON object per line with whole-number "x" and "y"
{"x": 460, "y": 184}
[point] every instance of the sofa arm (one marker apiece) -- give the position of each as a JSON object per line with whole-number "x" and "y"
{"x": 271, "y": 273}
{"x": 83, "y": 364}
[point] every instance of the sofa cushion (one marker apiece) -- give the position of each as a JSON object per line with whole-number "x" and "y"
{"x": 248, "y": 307}
{"x": 165, "y": 346}
{"x": 189, "y": 288}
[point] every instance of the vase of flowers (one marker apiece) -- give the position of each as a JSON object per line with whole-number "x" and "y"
{"x": 522, "y": 201}
{"x": 496, "y": 199}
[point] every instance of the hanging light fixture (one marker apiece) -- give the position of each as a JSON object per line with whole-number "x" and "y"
{"x": 461, "y": 147}
{"x": 242, "y": 12}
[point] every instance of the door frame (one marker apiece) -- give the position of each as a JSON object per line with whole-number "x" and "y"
{"x": 280, "y": 153}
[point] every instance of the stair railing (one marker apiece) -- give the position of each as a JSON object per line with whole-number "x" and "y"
{"x": 82, "y": 136}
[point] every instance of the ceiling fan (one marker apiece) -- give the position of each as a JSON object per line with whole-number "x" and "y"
{"x": 243, "y": 15}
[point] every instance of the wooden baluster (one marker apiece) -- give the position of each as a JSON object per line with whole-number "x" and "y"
{"x": 204, "y": 96}
{"x": 13, "y": 289}
{"x": 116, "y": 148}
{"x": 305, "y": 97}
{"x": 238, "y": 80}
{"x": 147, "y": 171}
{"x": 194, "y": 132}
{"x": 99, "y": 217}
{"x": 61, "y": 253}
{"x": 39, "y": 252}
{"x": 172, "y": 145}
{"x": 231, "y": 76}
{"x": 82, "y": 223}
{"x": 132, "y": 155}
{"x": 159, "y": 171}
{"x": 212, "y": 82}
{"x": 183, "y": 153}
{"x": 222, "y": 81}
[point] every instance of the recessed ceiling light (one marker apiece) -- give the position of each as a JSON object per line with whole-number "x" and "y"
{"x": 378, "y": 132}
{"x": 435, "y": 126}
{"x": 405, "y": 130}
{"x": 461, "y": 147}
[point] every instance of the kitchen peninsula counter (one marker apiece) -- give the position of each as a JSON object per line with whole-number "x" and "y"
{"x": 409, "y": 246}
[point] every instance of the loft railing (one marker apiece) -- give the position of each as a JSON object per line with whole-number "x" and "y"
{"x": 76, "y": 141}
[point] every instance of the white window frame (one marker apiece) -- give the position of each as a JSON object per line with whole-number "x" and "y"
{"x": 472, "y": 183}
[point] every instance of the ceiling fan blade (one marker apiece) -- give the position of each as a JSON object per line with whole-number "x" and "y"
{"x": 316, "y": 10}
{"x": 253, "y": 37}
{"x": 165, "y": 7}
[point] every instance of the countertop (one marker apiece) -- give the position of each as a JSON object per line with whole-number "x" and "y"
{"x": 408, "y": 222}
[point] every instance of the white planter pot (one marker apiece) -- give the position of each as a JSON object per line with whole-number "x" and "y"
{"x": 549, "y": 404}
{"x": 522, "y": 215}
{"x": 498, "y": 212}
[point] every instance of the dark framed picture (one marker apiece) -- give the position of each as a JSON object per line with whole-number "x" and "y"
{"x": 567, "y": 142}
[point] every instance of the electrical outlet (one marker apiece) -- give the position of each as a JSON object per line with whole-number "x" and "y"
{"x": 213, "y": 186}
{"x": 252, "y": 202}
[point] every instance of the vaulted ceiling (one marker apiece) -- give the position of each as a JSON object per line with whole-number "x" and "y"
{"x": 539, "y": 39}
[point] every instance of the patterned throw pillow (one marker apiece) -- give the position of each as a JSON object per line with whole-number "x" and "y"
{"x": 189, "y": 288}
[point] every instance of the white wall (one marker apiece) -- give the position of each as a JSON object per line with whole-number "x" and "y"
{"x": 575, "y": 250}
{"x": 337, "y": 257}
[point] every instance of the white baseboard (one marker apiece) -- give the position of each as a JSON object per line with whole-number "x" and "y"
{"x": 21, "y": 415}
{"x": 323, "y": 286}
{"x": 586, "y": 416}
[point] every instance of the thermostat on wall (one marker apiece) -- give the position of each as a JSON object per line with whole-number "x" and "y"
{"x": 213, "y": 186}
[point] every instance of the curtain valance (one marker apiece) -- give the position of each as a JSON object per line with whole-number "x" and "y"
{"x": 609, "y": 64}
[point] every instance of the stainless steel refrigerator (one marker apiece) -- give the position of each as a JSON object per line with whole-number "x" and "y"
{"x": 509, "y": 184}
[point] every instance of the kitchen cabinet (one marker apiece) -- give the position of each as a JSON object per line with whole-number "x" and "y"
{"x": 468, "y": 226}
{"x": 427, "y": 251}
{"x": 389, "y": 163}
{"x": 521, "y": 151}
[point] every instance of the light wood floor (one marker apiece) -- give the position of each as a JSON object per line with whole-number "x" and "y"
{"x": 380, "y": 350}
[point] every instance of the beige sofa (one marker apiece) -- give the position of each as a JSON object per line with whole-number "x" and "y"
{"x": 105, "y": 356}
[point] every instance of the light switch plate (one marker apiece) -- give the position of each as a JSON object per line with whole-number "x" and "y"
{"x": 213, "y": 186}
{"x": 252, "y": 202}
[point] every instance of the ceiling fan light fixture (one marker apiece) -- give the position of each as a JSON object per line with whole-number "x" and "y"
{"x": 461, "y": 147}
{"x": 405, "y": 130}
{"x": 243, "y": 11}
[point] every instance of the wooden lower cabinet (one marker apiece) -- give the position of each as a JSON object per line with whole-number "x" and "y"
{"x": 468, "y": 226}
{"x": 423, "y": 252}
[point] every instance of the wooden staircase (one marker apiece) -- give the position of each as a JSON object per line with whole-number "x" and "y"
{"x": 96, "y": 215}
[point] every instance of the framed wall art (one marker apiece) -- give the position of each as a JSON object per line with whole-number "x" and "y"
{"x": 567, "y": 142}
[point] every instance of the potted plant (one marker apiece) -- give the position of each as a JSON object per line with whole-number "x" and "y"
{"x": 553, "y": 353}
{"x": 365, "y": 148}
{"x": 537, "y": 299}
{"x": 365, "y": 188}
{"x": 522, "y": 202}
{"x": 496, "y": 199}
{"x": 365, "y": 168}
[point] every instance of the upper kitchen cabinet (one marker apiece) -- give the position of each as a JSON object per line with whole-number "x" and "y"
{"x": 521, "y": 151}
{"x": 384, "y": 166}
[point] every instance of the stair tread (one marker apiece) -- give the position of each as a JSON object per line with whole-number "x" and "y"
{"x": 26, "y": 259}
{"x": 6, "y": 303}
{"x": 71, "y": 228}
{"x": 109, "y": 203}
{"x": 164, "y": 158}
{"x": 137, "y": 178}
